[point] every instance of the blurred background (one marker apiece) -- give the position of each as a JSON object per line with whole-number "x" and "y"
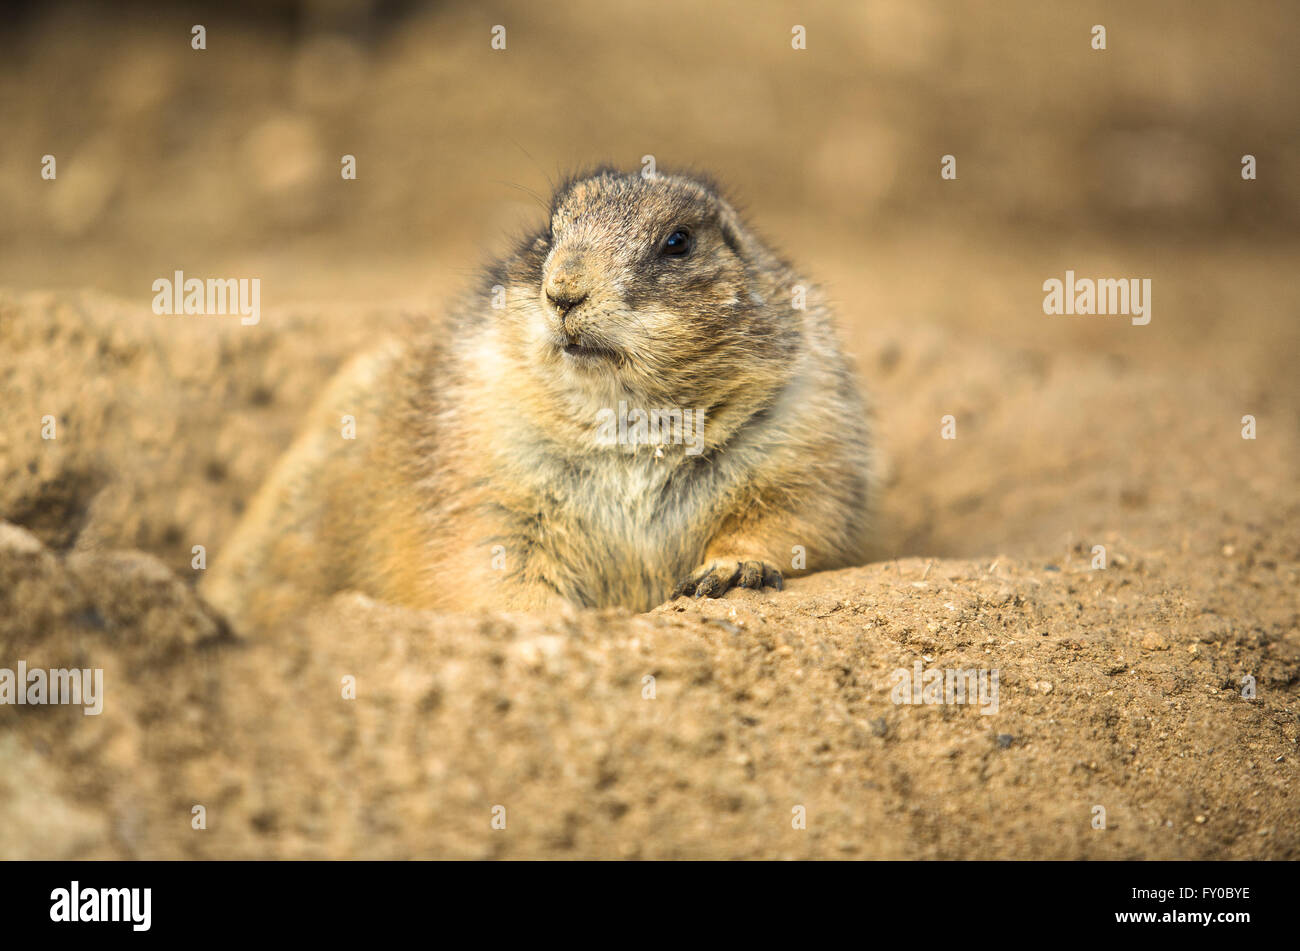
{"x": 1117, "y": 163}
{"x": 227, "y": 160}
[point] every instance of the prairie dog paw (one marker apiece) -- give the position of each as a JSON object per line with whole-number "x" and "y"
{"x": 721, "y": 575}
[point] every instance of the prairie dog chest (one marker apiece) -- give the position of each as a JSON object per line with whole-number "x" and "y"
{"x": 633, "y": 506}
{"x": 635, "y": 499}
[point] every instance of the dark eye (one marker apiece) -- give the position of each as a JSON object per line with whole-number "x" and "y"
{"x": 678, "y": 243}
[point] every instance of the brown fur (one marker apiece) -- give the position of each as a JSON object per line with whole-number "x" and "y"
{"x": 478, "y": 478}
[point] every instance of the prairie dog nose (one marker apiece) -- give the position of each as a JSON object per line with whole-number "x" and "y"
{"x": 566, "y": 286}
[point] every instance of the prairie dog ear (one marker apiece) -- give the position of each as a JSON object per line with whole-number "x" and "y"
{"x": 736, "y": 234}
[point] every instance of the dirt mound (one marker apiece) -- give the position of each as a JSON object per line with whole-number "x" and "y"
{"x": 696, "y": 730}
{"x": 701, "y": 729}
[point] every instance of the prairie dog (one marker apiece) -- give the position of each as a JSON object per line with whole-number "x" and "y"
{"x": 634, "y": 405}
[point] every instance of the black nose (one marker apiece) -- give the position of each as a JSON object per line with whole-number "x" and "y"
{"x": 564, "y": 302}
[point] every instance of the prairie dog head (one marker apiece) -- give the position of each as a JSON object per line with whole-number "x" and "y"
{"x": 653, "y": 287}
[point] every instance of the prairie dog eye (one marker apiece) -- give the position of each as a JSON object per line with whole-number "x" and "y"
{"x": 678, "y": 243}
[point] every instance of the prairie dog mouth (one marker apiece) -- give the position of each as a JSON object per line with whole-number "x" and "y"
{"x": 586, "y": 352}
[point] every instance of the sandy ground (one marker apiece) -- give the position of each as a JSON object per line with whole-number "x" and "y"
{"x": 1120, "y": 688}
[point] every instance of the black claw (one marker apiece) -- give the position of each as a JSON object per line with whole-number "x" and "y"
{"x": 688, "y": 586}
{"x": 715, "y": 583}
{"x": 751, "y": 575}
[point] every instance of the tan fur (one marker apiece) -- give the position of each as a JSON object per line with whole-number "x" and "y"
{"x": 478, "y": 477}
